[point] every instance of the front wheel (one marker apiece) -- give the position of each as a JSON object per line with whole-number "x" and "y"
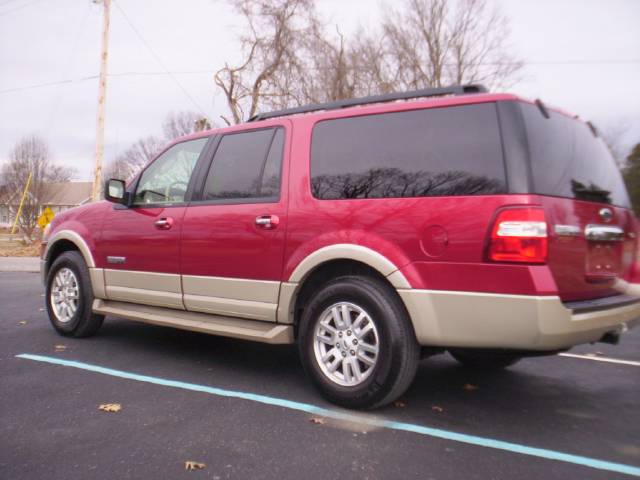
{"x": 69, "y": 297}
{"x": 357, "y": 344}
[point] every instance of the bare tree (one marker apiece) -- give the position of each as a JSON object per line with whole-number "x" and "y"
{"x": 272, "y": 48}
{"x": 614, "y": 134}
{"x": 434, "y": 43}
{"x": 31, "y": 155}
{"x": 179, "y": 124}
{"x": 290, "y": 59}
{"x": 129, "y": 162}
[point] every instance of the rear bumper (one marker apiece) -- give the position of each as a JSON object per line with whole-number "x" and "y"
{"x": 485, "y": 320}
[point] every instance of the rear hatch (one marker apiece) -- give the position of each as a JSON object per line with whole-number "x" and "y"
{"x": 592, "y": 237}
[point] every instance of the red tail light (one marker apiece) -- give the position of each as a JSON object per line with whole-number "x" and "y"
{"x": 519, "y": 235}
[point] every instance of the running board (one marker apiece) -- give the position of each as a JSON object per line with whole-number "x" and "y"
{"x": 266, "y": 332}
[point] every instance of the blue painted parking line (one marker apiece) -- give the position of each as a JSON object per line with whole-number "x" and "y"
{"x": 351, "y": 417}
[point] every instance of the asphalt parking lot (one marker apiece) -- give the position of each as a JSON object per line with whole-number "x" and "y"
{"x": 245, "y": 410}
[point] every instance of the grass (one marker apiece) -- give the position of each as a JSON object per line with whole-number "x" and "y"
{"x": 19, "y": 249}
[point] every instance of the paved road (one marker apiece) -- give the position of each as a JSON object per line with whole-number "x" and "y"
{"x": 19, "y": 264}
{"x": 51, "y": 426}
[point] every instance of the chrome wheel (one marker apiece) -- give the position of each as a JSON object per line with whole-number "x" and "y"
{"x": 64, "y": 295}
{"x": 346, "y": 344}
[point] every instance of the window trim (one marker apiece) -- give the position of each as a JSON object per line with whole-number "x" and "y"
{"x": 503, "y": 162}
{"x": 197, "y": 198}
{"x": 210, "y": 139}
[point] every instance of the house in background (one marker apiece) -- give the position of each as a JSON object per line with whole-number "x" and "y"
{"x": 58, "y": 196}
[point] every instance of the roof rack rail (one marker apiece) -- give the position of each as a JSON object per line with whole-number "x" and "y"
{"x": 389, "y": 97}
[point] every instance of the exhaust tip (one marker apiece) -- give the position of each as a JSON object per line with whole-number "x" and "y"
{"x": 612, "y": 338}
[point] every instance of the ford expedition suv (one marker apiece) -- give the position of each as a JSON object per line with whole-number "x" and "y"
{"x": 369, "y": 231}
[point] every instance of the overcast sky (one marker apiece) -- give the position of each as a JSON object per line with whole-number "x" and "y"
{"x": 581, "y": 55}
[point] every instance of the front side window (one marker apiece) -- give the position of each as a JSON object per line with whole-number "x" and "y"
{"x": 417, "y": 153}
{"x": 246, "y": 165}
{"x": 165, "y": 181}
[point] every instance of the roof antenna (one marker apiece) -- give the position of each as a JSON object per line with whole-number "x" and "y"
{"x": 542, "y": 108}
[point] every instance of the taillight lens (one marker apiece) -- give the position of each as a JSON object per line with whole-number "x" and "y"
{"x": 519, "y": 235}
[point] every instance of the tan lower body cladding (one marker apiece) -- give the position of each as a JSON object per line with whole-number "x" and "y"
{"x": 252, "y": 299}
{"x": 265, "y": 332}
{"x": 440, "y": 318}
{"x": 485, "y": 320}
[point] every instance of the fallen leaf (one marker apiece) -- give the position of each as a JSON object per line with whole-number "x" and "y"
{"x": 470, "y": 387}
{"x": 110, "y": 407}
{"x": 399, "y": 404}
{"x": 438, "y": 409}
{"x": 59, "y": 348}
{"x": 22, "y": 322}
{"x": 191, "y": 465}
{"x": 317, "y": 420}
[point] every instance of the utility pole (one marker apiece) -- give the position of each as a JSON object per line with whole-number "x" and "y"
{"x": 102, "y": 92}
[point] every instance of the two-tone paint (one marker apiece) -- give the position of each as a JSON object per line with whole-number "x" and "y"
{"x": 217, "y": 260}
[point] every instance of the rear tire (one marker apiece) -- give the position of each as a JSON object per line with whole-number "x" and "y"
{"x": 69, "y": 297}
{"x": 484, "y": 360}
{"x": 361, "y": 329}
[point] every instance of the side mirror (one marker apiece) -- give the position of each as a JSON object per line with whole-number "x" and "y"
{"x": 115, "y": 191}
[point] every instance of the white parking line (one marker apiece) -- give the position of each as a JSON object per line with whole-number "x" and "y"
{"x": 374, "y": 421}
{"x": 600, "y": 359}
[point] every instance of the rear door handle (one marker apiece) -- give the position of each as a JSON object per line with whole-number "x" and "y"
{"x": 164, "y": 223}
{"x": 604, "y": 233}
{"x": 267, "y": 221}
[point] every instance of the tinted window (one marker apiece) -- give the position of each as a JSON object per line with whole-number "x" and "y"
{"x": 440, "y": 151}
{"x": 246, "y": 165}
{"x": 567, "y": 160}
{"x": 166, "y": 179}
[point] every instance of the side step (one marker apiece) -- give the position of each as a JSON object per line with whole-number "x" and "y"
{"x": 257, "y": 331}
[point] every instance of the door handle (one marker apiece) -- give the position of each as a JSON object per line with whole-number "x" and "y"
{"x": 164, "y": 223}
{"x": 604, "y": 233}
{"x": 267, "y": 221}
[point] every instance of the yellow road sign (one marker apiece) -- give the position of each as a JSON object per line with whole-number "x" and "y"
{"x": 45, "y": 218}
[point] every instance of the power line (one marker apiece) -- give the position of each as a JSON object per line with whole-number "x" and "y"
{"x": 158, "y": 59}
{"x": 7, "y": 12}
{"x": 208, "y": 72}
{"x": 67, "y": 66}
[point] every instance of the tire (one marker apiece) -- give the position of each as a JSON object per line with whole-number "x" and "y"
{"x": 484, "y": 359}
{"x": 384, "y": 375}
{"x": 69, "y": 278}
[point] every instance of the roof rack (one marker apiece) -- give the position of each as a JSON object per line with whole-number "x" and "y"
{"x": 389, "y": 97}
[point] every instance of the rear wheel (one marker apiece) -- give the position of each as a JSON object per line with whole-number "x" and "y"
{"x": 357, "y": 344}
{"x": 484, "y": 359}
{"x": 69, "y": 297}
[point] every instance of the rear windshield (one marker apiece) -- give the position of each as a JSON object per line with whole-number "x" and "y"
{"x": 568, "y": 160}
{"x": 417, "y": 153}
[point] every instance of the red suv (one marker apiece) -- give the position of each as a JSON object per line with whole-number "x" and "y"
{"x": 369, "y": 231}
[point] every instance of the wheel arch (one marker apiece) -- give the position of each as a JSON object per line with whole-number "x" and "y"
{"x": 329, "y": 262}
{"x": 64, "y": 241}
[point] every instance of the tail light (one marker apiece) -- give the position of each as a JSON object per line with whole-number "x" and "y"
{"x": 519, "y": 235}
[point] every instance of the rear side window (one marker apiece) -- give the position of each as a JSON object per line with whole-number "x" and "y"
{"x": 246, "y": 165}
{"x": 439, "y": 151}
{"x": 567, "y": 160}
